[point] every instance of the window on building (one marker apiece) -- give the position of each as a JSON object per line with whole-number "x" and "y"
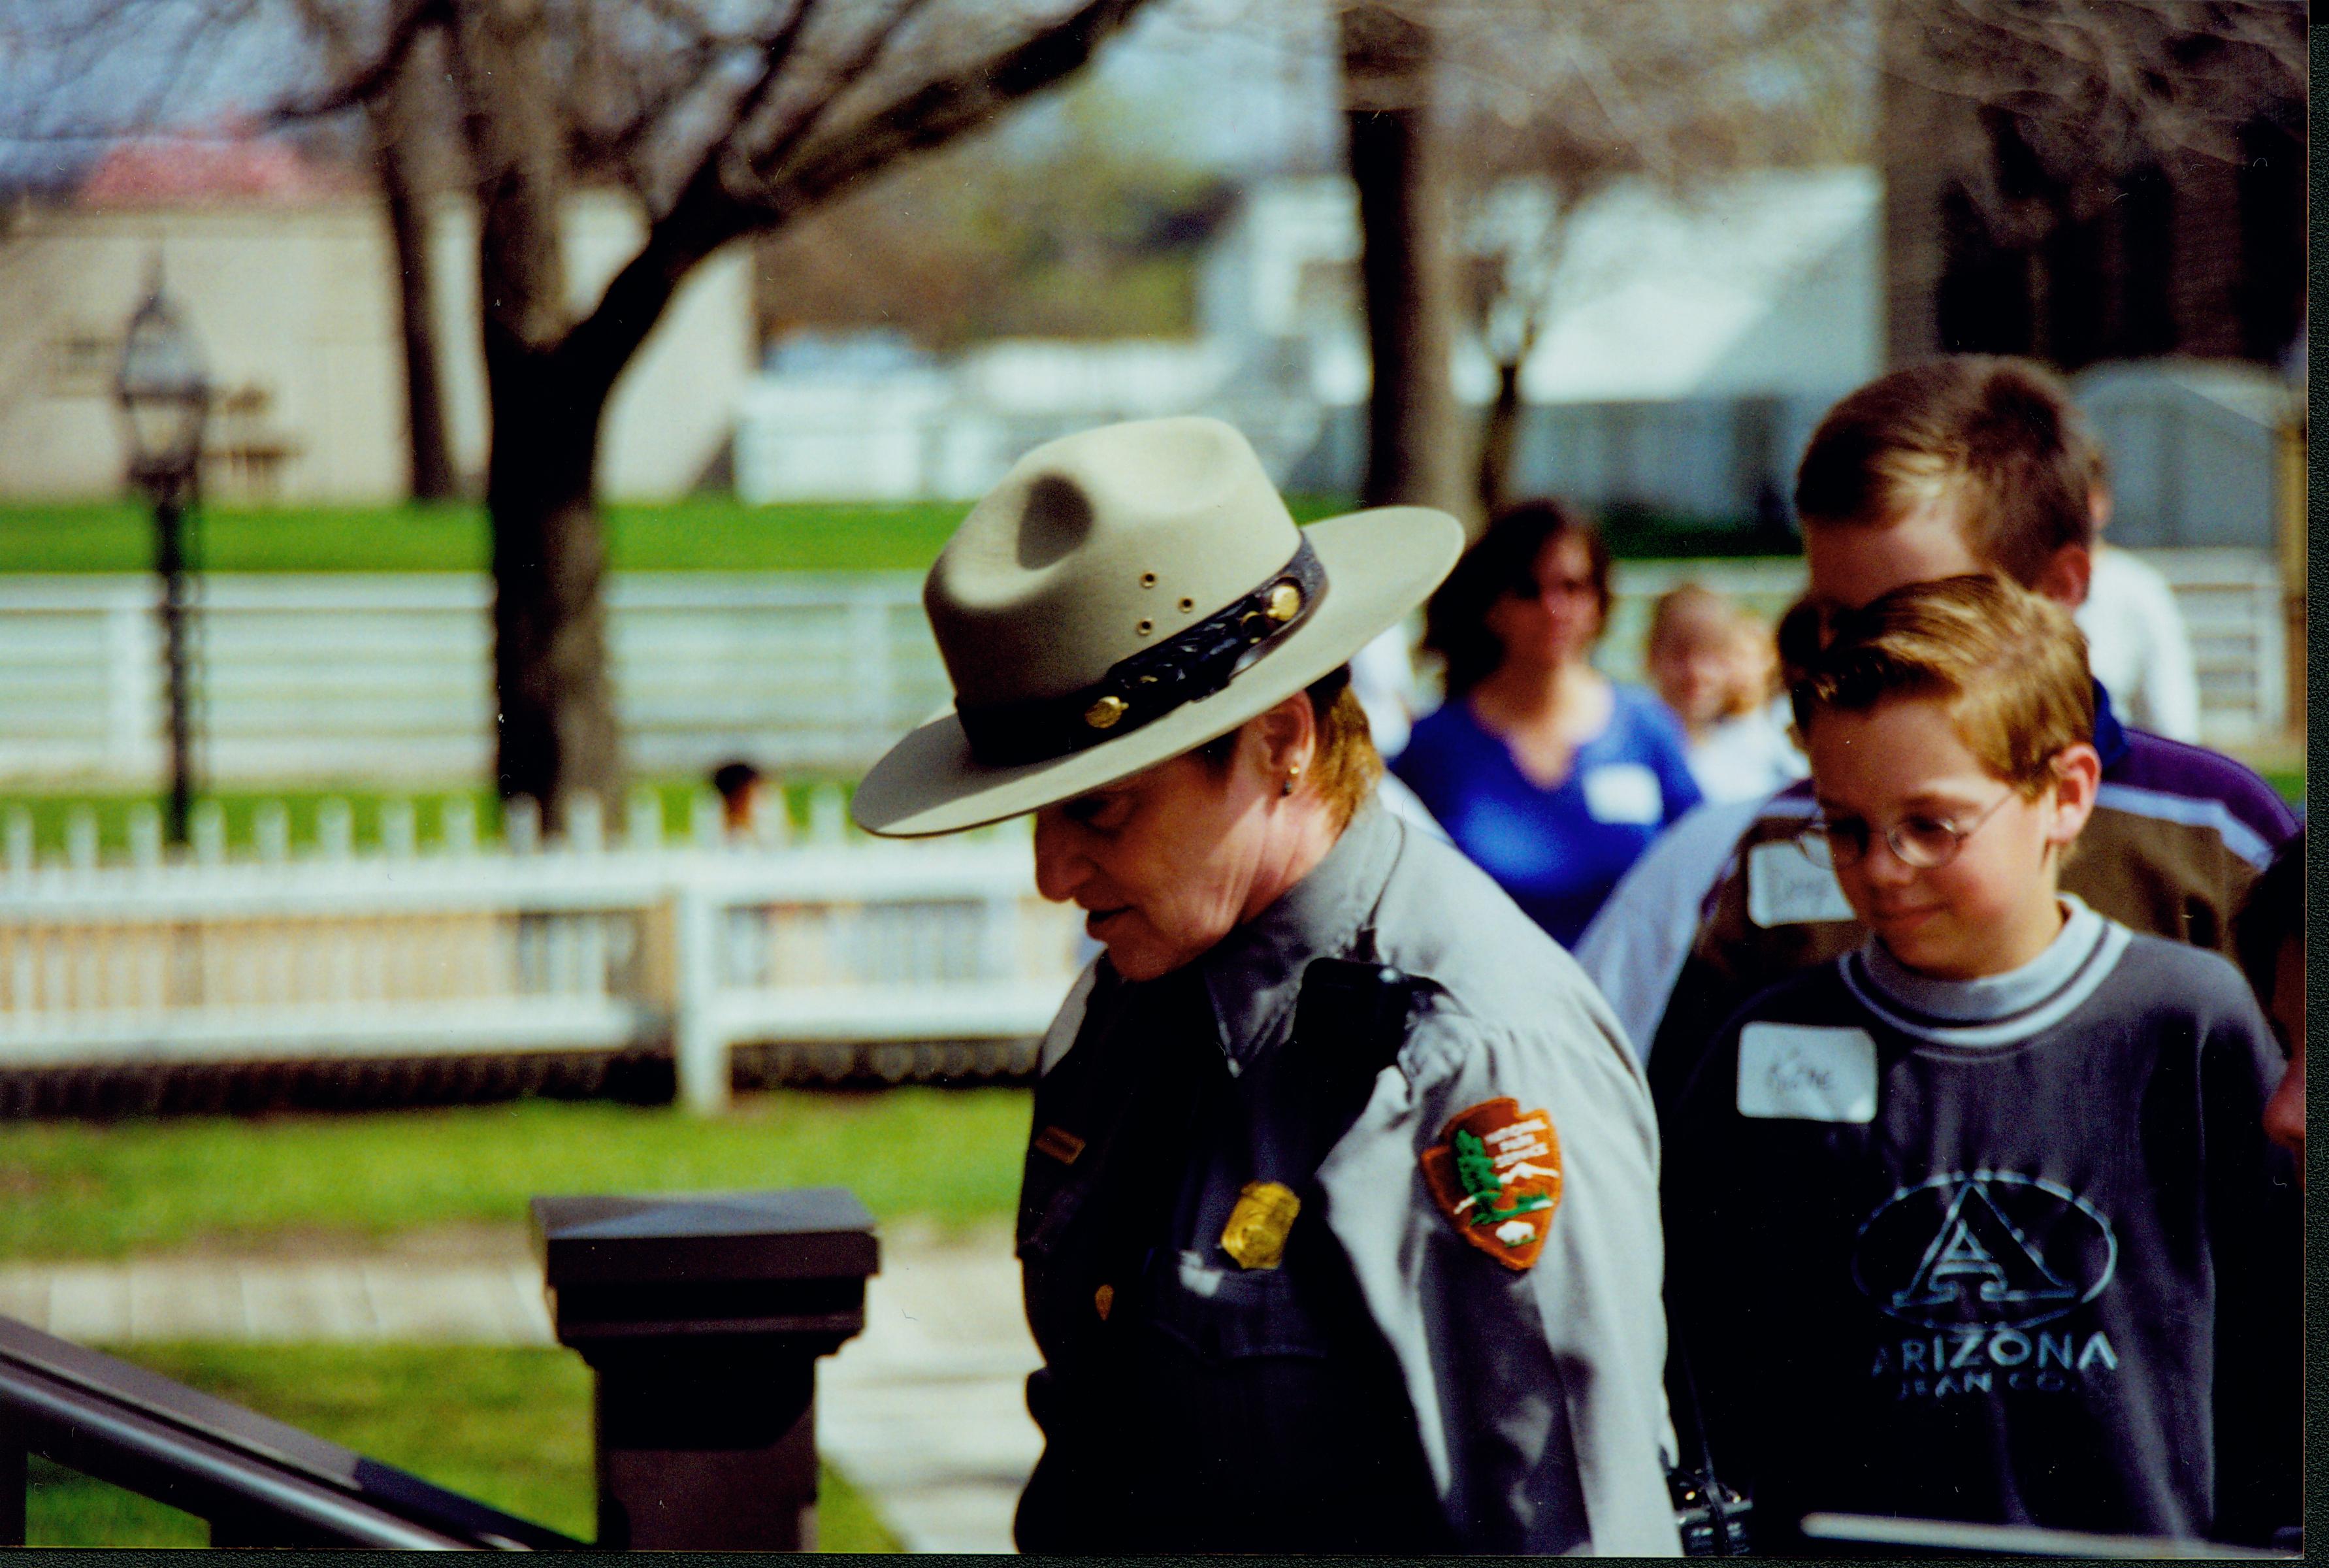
{"x": 2074, "y": 254}
{"x": 2268, "y": 294}
{"x": 82, "y": 361}
{"x": 1982, "y": 305}
{"x": 2146, "y": 262}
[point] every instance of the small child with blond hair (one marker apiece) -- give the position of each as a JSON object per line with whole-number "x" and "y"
{"x": 1713, "y": 665}
{"x": 1979, "y": 1221}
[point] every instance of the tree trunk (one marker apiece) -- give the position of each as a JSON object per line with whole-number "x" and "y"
{"x": 398, "y": 121}
{"x": 1405, "y": 268}
{"x": 1500, "y": 437}
{"x": 557, "y": 734}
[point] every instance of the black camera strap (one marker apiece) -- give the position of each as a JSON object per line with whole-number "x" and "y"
{"x": 1713, "y": 1518}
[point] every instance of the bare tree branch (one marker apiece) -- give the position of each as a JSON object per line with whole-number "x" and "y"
{"x": 943, "y": 110}
{"x": 358, "y": 82}
{"x": 2108, "y": 84}
{"x": 771, "y": 147}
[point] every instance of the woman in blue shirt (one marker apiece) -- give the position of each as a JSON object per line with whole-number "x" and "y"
{"x": 1549, "y": 774}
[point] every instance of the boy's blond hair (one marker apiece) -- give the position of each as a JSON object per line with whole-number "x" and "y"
{"x": 2010, "y": 665}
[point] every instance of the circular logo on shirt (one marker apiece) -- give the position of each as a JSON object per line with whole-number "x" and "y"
{"x": 1985, "y": 1249}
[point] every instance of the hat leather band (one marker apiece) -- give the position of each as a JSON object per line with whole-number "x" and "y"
{"x": 1139, "y": 689}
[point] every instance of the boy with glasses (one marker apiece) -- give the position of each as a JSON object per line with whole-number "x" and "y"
{"x": 1979, "y": 1221}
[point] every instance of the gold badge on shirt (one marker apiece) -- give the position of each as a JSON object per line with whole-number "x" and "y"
{"x": 1256, "y": 1233}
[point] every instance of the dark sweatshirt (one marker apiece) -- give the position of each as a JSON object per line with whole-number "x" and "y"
{"x": 2012, "y": 1251}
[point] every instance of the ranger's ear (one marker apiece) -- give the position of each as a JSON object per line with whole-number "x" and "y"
{"x": 1284, "y": 737}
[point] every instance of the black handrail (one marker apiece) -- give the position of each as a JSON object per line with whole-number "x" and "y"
{"x": 1879, "y": 1536}
{"x": 258, "y": 1481}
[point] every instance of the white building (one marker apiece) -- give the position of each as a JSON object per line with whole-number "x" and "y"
{"x": 296, "y": 307}
{"x": 1686, "y": 346}
{"x": 2203, "y": 452}
{"x": 876, "y": 426}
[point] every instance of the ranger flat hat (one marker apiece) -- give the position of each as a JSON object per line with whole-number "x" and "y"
{"x": 1127, "y": 594}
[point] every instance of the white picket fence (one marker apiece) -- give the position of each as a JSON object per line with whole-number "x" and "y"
{"x": 384, "y": 679}
{"x": 457, "y": 948}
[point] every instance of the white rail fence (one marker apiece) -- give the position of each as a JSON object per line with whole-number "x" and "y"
{"x": 450, "y": 948}
{"x": 389, "y": 676}
{"x": 385, "y": 679}
{"x": 2230, "y": 600}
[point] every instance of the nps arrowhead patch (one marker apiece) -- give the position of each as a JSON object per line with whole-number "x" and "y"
{"x": 1496, "y": 1173}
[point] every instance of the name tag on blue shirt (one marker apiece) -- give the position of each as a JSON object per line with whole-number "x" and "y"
{"x": 1624, "y": 792}
{"x": 1806, "y": 1073}
{"x": 1790, "y": 883}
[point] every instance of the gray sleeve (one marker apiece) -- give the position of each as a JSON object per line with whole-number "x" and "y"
{"x": 1538, "y": 1394}
{"x": 1635, "y": 948}
{"x": 1068, "y": 1022}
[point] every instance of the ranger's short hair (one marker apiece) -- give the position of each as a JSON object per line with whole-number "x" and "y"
{"x": 1999, "y": 437}
{"x": 2010, "y": 665}
{"x": 1346, "y": 766}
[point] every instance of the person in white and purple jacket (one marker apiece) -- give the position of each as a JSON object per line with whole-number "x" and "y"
{"x": 1963, "y": 464}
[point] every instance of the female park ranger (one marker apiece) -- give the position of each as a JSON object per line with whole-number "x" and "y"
{"x": 1339, "y": 1225}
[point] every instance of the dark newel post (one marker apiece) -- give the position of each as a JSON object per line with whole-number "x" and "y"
{"x": 704, "y": 1316}
{"x": 16, "y": 1477}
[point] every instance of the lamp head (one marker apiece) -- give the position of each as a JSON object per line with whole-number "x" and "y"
{"x": 164, "y": 391}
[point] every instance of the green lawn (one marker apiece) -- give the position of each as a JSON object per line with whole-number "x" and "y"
{"x": 708, "y": 534}
{"x": 711, "y": 534}
{"x": 703, "y": 533}
{"x": 100, "y": 1190}
{"x": 508, "y": 1426}
{"x": 52, "y": 812}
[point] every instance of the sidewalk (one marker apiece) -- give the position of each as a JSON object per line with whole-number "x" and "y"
{"x": 925, "y": 1411}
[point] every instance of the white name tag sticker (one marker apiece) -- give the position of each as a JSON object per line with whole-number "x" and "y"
{"x": 1790, "y": 883}
{"x": 1624, "y": 792}
{"x": 1806, "y": 1073}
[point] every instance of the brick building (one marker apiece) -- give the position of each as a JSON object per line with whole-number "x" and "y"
{"x": 2028, "y": 211}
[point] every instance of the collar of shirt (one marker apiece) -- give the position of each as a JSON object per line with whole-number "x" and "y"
{"x": 1991, "y": 996}
{"x": 2110, "y": 735}
{"x": 1996, "y": 1010}
{"x": 1254, "y": 974}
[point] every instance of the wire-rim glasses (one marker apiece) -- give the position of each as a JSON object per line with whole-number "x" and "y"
{"x": 1921, "y": 842}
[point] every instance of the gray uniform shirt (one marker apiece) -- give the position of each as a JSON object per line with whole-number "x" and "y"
{"x": 1537, "y": 1395}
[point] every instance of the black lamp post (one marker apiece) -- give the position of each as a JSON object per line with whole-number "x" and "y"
{"x": 165, "y": 393}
